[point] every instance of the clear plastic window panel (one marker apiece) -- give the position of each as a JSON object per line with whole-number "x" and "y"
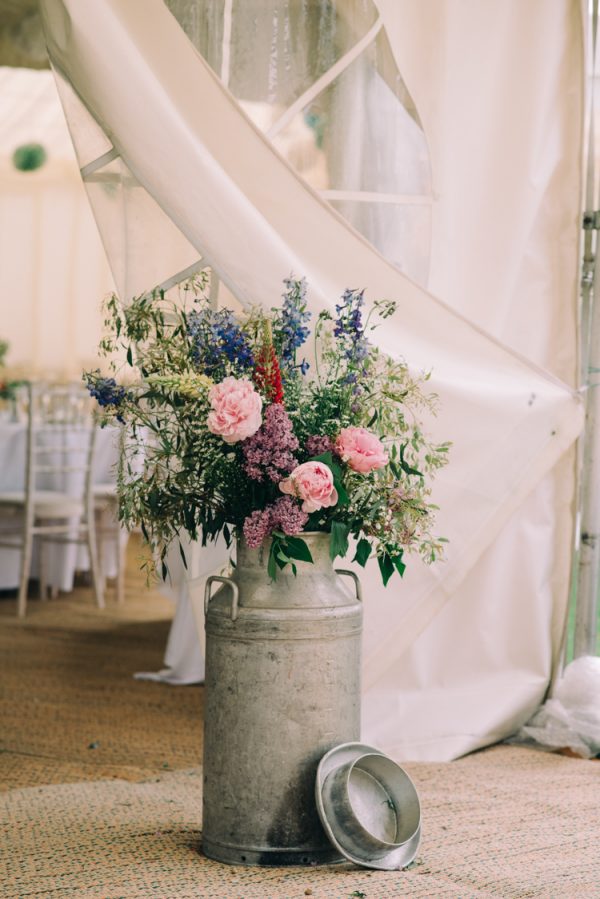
{"x": 136, "y": 226}
{"x": 269, "y": 52}
{"x": 358, "y": 140}
{"x": 88, "y": 138}
{"x": 401, "y": 233}
{"x": 202, "y": 21}
{"x": 366, "y": 128}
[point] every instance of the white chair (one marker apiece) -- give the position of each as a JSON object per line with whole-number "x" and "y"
{"x": 57, "y": 505}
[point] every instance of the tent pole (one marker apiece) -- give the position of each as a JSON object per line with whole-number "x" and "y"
{"x": 588, "y": 572}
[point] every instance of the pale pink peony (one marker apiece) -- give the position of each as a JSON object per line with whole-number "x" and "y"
{"x": 311, "y": 482}
{"x": 361, "y": 449}
{"x": 236, "y": 409}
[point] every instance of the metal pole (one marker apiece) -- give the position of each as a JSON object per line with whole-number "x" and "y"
{"x": 588, "y": 574}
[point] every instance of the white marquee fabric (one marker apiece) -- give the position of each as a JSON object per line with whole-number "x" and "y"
{"x": 457, "y": 655}
{"x": 53, "y": 270}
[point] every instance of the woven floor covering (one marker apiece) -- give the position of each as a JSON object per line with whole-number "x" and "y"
{"x": 506, "y": 822}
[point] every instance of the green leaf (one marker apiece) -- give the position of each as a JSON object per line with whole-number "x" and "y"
{"x": 399, "y": 564}
{"x": 386, "y": 567}
{"x": 405, "y": 466}
{"x": 337, "y": 472}
{"x": 129, "y": 356}
{"x": 271, "y": 564}
{"x": 182, "y": 554}
{"x": 296, "y": 548}
{"x": 338, "y": 542}
{"x": 396, "y": 469}
{"x": 363, "y": 551}
{"x": 373, "y": 419}
{"x": 343, "y": 498}
{"x": 326, "y": 458}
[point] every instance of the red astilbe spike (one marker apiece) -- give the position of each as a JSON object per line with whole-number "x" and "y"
{"x": 267, "y": 373}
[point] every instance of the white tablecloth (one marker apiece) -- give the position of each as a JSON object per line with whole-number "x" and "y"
{"x": 63, "y": 561}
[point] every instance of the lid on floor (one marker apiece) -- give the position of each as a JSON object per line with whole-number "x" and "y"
{"x": 368, "y": 806}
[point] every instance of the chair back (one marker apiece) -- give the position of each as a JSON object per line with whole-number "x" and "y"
{"x": 60, "y": 440}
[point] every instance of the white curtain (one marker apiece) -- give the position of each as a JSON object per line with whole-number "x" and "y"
{"x": 457, "y": 654}
{"x": 499, "y": 91}
{"x": 53, "y": 270}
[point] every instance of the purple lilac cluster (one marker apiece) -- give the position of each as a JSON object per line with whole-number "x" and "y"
{"x": 269, "y": 453}
{"x": 292, "y": 325}
{"x": 107, "y": 392}
{"x": 317, "y": 444}
{"x": 217, "y": 339}
{"x": 284, "y": 514}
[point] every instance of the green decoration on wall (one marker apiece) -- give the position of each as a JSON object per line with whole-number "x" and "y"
{"x": 29, "y": 157}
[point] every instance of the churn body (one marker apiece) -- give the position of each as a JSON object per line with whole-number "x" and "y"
{"x": 282, "y": 688}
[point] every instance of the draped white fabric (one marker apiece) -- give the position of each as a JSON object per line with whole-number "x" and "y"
{"x": 458, "y": 654}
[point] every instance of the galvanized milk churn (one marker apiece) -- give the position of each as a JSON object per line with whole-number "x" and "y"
{"x": 282, "y": 688}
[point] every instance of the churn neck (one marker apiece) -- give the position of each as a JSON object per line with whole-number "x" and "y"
{"x": 317, "y": 542}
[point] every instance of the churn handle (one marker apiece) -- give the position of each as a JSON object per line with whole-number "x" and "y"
{"x": 222, "y": 580}
{"x": 354, "y": 577}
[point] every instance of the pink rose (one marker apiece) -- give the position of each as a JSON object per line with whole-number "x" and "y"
{"x": 361, "y": 449}
{"x": 236, "y": 409}
{"x": 311, "y": 482}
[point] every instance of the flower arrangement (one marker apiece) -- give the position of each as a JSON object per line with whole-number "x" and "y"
{"x": 232, "y": 430}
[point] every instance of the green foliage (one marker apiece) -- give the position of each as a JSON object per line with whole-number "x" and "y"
{"x": 338, "y": 542}
{"x": 363, "y": 551}
{"x": 286, "y": 550}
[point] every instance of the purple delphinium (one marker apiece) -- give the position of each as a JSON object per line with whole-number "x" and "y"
{"x": 349, "y": 329}
{"x": 349, "y": 326}
{"x": 290, "y": 323}
{"x": 317, "y": 444}
{"x": 106, "y": 392}
{"x": 217, "y": 339}
{"x": 270, "y": 452}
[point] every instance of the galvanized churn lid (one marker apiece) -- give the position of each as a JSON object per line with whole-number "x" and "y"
{"x": 368, "y": 806}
